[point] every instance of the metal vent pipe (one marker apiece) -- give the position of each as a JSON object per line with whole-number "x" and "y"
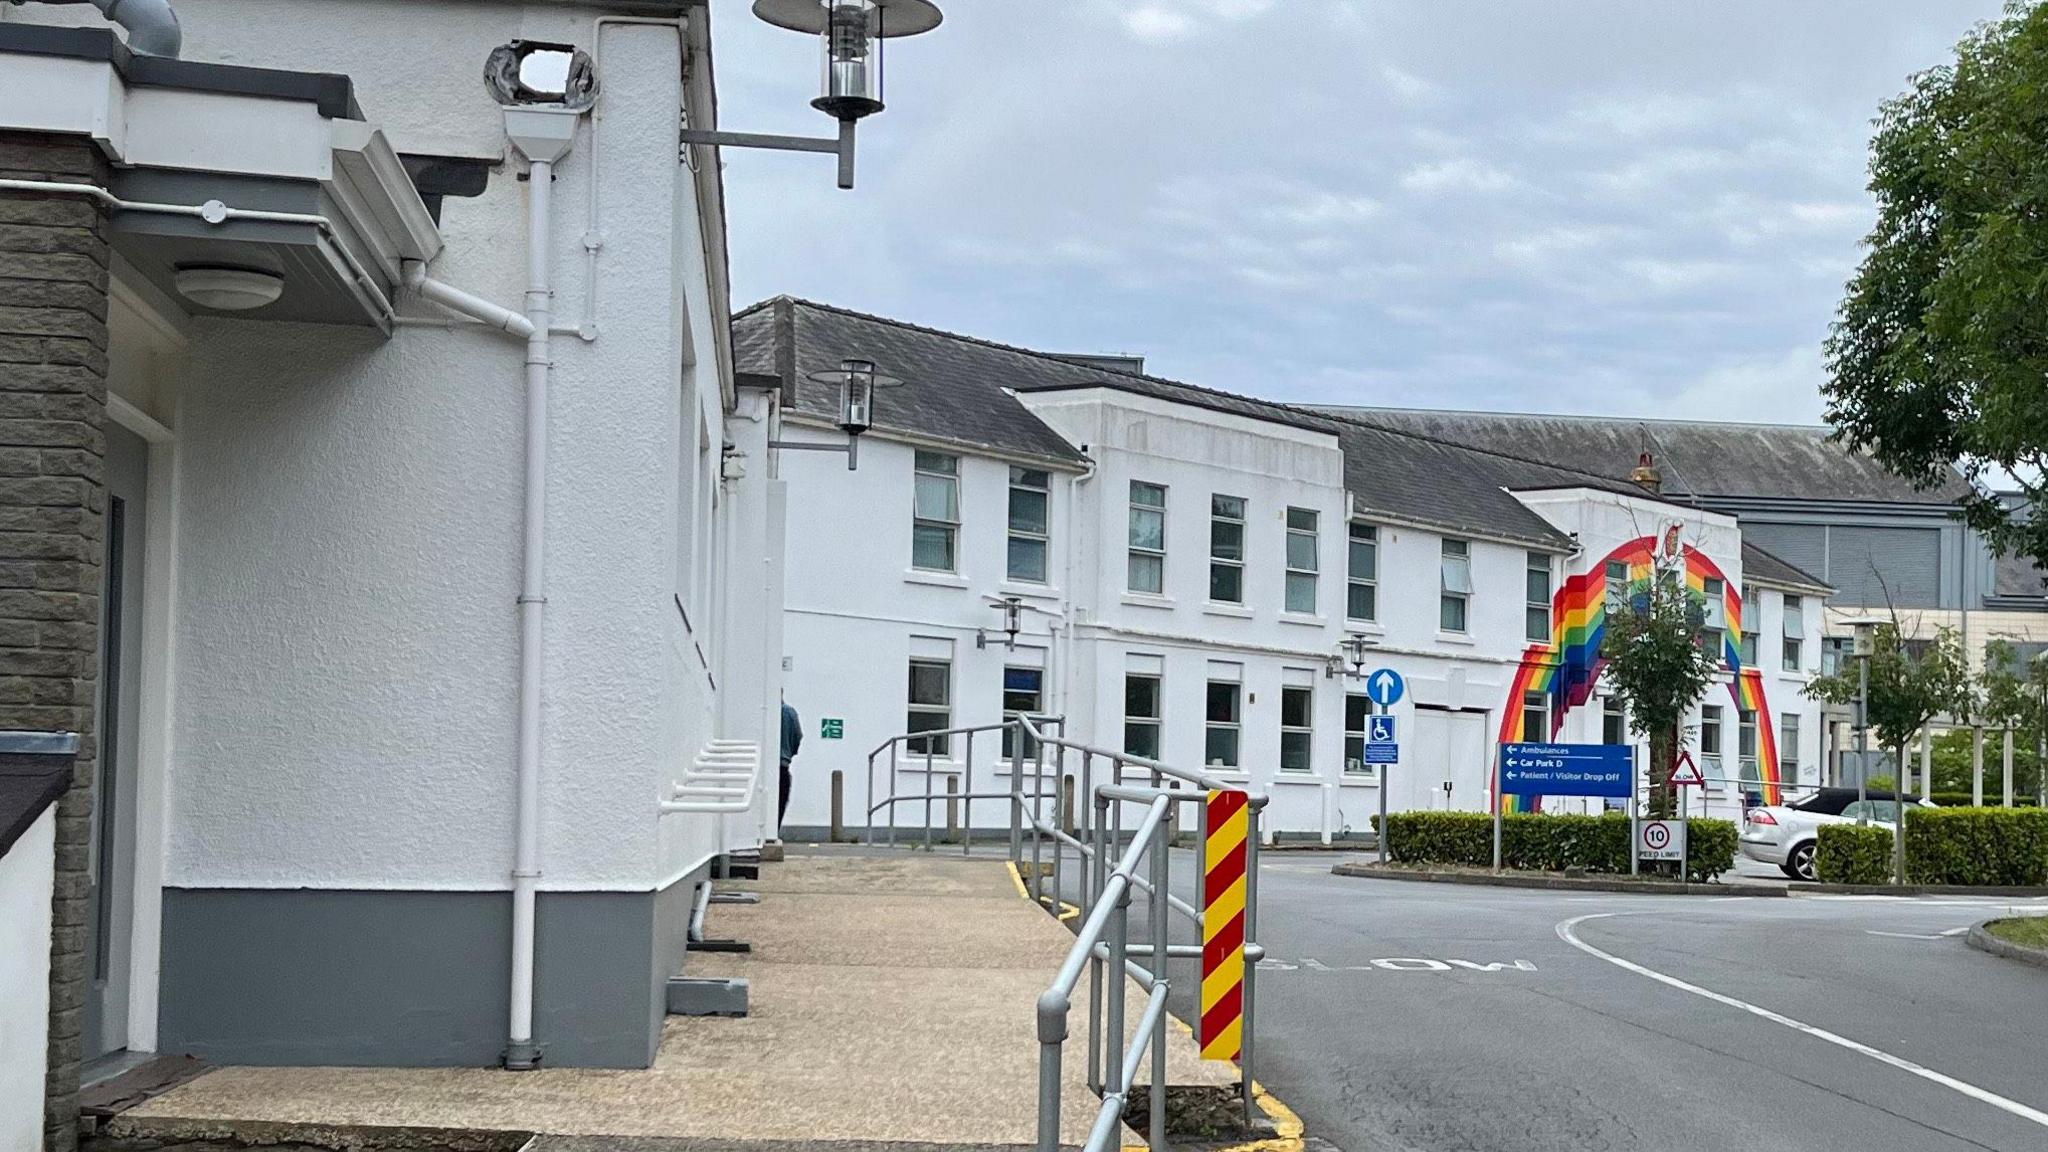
{"x": 152, "y": 24}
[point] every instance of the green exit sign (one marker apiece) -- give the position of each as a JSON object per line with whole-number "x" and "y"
{"x": 832, "y": 728}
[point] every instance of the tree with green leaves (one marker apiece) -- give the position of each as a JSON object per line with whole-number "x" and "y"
{"x": 1911, "y": 683}
{"x": 1659, "y": 666}
{"x": 2013, "y": 692}
{"x": 1940, "y": 348}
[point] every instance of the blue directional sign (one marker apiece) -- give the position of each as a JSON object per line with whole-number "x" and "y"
{"x": 1565, "y": 769}
{"x": 1381, "y": 744}
{"x": 1385, "y": 686}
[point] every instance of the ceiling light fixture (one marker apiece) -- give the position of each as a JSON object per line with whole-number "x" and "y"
{"x": 228, "y": 289}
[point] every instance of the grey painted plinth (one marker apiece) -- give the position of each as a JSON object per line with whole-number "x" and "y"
{"x": 706, "y": 996}
{"x": 411, "y": 979}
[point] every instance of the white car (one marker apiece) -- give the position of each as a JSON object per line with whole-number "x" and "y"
{"x": 1786, "y": 834}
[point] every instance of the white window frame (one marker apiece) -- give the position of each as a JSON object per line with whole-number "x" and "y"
{"x": 1218, "y": 518}
{"x": 1789, "y": 736}
{"x": 1792, "y": 635}
{"x": 1306, "y": 732}
{"x": 1752, "y": 621}
{"x": 1358, "y": 706}
{"x": 1714, "y": 759}
{"x": 1455, "y": 566}
{"x": 1746, "y": 761}
{"x": 1020, "y": 482}
{"x": 1367, "y": 536}
{"x": 924, "y": 467}
{"x": 1009, "y": 713}
{"x": 1538, "y": 564}
{"x": 1134, "y": 553}
{"x": 1714, "y": 618}
{"x": 1234, "y": 726}
{"x": 941, "y": 746}
{"x": 1299, "y": 577}
{"x": 1155, "y": 722}
{"x": 1539, "y": 704}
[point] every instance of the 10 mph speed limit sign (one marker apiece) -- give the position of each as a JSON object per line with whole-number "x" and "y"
{"x": 1660, "y": 840}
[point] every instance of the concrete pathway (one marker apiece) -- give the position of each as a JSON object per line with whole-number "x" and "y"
{"x": 892, "y": 1001}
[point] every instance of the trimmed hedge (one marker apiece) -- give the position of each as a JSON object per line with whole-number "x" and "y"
{"x": 1989, "y": 847}
{"x": 1853, "y": 854}
{"x": 1991, "y": 793}
{"x": 1536, "y": 842}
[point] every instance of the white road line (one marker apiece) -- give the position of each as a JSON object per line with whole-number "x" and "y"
{"x": 1904, "y": 935}
{"x": 1565, "y": 932}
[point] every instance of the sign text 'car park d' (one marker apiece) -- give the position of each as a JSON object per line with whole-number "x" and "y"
{"x": 1566, "y": 769}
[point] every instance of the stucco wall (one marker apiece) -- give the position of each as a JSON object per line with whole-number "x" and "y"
{"x": 26, "y": 876}
{"x": 350, "y": 539}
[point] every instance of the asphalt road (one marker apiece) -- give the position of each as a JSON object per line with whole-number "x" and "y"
{"x": 1404, "y": 1016}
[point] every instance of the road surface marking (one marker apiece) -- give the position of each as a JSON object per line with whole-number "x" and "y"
{"x": 1397, "y": 964}
{"x": 1565, "y": 932}
{"x": 1908, "y": 935}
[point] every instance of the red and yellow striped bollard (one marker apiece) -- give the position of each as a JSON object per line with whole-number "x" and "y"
{"x": 1223, "y": 889}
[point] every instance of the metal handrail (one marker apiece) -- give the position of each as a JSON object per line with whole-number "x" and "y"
{"x": 1111, "y": 914}
{"x": 1114, "y": 864}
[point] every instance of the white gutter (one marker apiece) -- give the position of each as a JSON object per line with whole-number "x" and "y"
{"x": 215, "y": 212}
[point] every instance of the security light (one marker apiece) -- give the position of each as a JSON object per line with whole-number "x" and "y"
{"x": 857, "y": 381}
{"x": 850, "y": 34}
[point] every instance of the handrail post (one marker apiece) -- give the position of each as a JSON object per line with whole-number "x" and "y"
{"x": 928, "y": 793}
{"x": 1098, "y": 869}
{"x": 967, "y": 804}
{"x": 1037, "y": 810}
{"x": 1160, "y": 880}
{"x": 893, "y": 778}
{"x": 869, "y": 820}
{"x": 1116, "y": 977}
{"x": 1017, "y": 796}
{"x": 1251, "y": 934}
{"x": 1052, "y": 1033}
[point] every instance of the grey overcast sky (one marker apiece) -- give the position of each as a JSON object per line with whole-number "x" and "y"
{"x": 1633, "y": 207}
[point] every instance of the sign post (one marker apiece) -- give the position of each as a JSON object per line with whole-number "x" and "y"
{"x": 1684, "y": 774}
{"x": 1634, "y": 813}
{"x": 1382, "y": 740}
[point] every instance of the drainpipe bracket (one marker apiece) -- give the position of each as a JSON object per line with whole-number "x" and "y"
{"x": 523, "y": 1056}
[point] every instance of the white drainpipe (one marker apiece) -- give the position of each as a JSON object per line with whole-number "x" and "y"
{"x": 543, "y": 135}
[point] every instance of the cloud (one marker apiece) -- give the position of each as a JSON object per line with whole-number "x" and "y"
{"x": 1460, "y": 175}
{"x": 1605, "y": 206}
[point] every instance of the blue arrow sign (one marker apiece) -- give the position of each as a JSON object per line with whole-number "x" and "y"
{"x": 1380, "y": 730}
{"x": 1565, "y": 769}
{"x": 1385, "y": 686}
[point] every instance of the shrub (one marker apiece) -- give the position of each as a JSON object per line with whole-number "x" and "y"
{"x": 1991, "y": 794}
{"x": 1977, "y": 846}
{"x": 1853, "y": 854}
{"x": 1544, "y": 843}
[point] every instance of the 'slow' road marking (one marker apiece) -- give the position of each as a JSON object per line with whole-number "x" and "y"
{"x": 1565, "y": 932}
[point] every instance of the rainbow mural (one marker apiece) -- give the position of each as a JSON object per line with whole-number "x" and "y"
{"x": 1567, "y": 667}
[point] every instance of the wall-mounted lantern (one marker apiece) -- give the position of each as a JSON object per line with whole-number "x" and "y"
{"x": 857, "y": 381}
{"x": 1352, "y": 650}
{"x": 1012, "y": 608}
{"x": 851, "y": 34}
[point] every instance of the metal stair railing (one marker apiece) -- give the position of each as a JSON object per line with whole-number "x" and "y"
{"x": 1094, "y": 834}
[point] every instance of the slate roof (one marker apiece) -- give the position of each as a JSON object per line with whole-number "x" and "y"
{"x": 958, "y": 389}
{"x": 1697, "y": 458}
{"x": 953, "y": 387}
{"x": 1758, "y": 564}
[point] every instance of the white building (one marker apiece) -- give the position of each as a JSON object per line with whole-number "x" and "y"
{"x": 383, "y": 779}
{"x": 1203, "y": 558}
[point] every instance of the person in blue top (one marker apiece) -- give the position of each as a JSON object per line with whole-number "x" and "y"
{"x": 792, "y": 739}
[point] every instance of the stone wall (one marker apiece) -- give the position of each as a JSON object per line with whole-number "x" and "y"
{"x": 53, "y": 394}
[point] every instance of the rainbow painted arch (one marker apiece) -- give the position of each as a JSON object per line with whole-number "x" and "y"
{"x": 1567, "y": 667}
